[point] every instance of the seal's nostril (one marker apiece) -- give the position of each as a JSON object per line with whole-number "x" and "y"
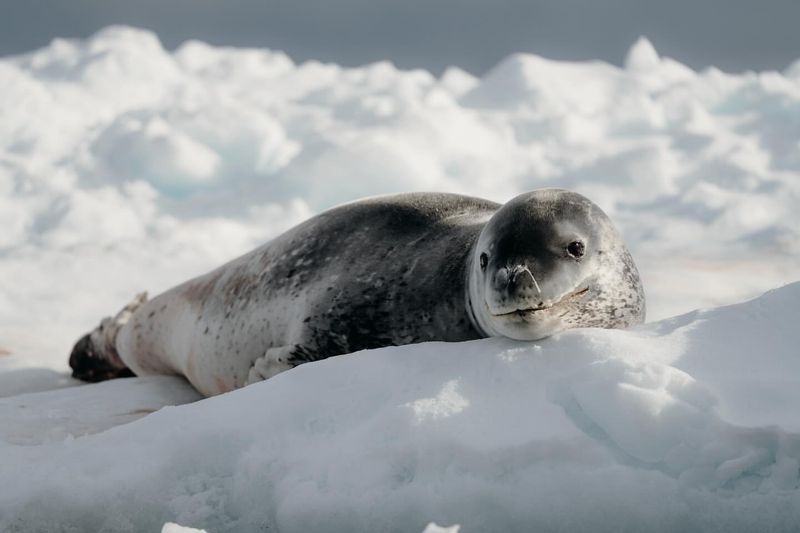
{"x": 501, "y": 279}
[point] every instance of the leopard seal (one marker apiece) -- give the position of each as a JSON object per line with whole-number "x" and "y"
{"x": 382, "y": 271}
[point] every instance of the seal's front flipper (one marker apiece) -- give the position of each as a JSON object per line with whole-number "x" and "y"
{"x": 274, "y": 361}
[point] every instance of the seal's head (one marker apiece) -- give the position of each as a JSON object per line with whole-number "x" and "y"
{"x": 549, "y": 260}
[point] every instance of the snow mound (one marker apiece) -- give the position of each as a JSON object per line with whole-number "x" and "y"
{"x": 126, "y": 167}
{"x": 171, "y": 527}
{"x": 685, "y": 424}
{"x": 642, "y": 56}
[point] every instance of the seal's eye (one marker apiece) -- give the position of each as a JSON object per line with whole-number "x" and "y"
{"x": 484, "y": 261}
{"x": 576, "y": 249}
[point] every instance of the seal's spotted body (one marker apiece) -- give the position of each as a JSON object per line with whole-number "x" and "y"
{"x": 386, "y": 271}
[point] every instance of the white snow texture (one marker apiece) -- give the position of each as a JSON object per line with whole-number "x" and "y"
{"x": 125, "y": 167}
{"x": 687, "y": 424}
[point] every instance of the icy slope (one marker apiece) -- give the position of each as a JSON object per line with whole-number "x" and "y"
{"x": 125, "y": 167}
{"x": 687, "y": 424}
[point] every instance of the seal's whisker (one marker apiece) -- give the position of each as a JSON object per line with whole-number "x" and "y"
{"x": 539, "y": 290}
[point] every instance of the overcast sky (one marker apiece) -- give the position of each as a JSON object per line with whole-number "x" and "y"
{"x": 734, "y": 35}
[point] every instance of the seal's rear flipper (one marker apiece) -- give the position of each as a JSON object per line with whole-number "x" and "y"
{"x": 88, "y": 365}
{"x": 94, "y": 357}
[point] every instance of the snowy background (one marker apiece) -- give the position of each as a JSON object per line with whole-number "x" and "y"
{"x": 125, "y": 167}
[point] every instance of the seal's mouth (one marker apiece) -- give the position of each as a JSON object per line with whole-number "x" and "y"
{"x": 530, "y": 311}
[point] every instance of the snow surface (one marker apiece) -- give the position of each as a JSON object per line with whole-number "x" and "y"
{"x": 687, "y": 424}
{"x": 124, "y": 167}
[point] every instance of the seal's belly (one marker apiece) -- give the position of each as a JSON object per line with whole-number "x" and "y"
{"x": 226, "y": 342}
{"x": 210, "y": 339}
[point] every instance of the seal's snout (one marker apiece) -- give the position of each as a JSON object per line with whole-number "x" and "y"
{"x": 516, "y": 283}
{"x": 88, "y": 365}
